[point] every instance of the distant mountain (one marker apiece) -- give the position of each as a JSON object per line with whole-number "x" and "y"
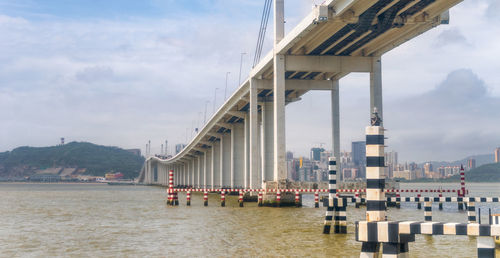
{"x": 96, "y": 159}
{"x": 480, "y": 160}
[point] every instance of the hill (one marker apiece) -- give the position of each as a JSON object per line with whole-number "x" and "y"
{"x": 480, "y": 160}
{"x": 485, "y": 173}
{"x": 97, "y": 159}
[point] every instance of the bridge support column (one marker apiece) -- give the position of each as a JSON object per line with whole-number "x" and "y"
{"x": 254, "y": 137}
{"x": 246, "y": 153}
{"x": 208, "y": 169}
{"x": 225, "y": 160}
{"x": 267, "y": 143}
{"x": 280, "y": 172}
{"x": 376, "y": 87}
{"x": 184, "y": 175}
{"x": 237, "y": 156}
{"x": 199, "y": 171}
{"x": 216, "y": 165}
{"x": 192, "y": 169}
{"x": 336, "y": 123}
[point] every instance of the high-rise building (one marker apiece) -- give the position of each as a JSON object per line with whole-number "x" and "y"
{"x": 471, "y": 163}
{"x": 316, "y": 154}
{"x": 179, "y": 147}
{"x": 497, "y": 155}
{"x": 289, "y": 155}
{"x": 428, "y": 167}
{"x": 359, "y": 153}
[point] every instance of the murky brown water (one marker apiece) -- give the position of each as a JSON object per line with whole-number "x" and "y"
{"x": 41, "y": 220}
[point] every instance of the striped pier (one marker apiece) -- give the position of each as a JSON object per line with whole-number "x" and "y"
{"x": 397, "y": 231}
{"x": 332, "y": 190}
{"x": 223, "y": 198}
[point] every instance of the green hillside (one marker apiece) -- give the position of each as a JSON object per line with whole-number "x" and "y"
{"x": 485, "y": 173}
{"x": 97, "y": 159}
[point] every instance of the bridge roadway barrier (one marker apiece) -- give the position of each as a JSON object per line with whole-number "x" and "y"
{"x": 305, "y": 191}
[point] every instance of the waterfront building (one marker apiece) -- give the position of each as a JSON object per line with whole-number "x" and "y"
{"x": 497, "y": 155}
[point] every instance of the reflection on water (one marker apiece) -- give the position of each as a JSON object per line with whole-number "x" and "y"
{"x": 101, "y": 220}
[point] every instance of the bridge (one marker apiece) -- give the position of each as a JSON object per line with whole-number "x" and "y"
{"x": 242, "y": 148}
{"x": 243, "y": 144}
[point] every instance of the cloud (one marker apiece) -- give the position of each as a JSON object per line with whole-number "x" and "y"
{"x": 455, "y": 119}
{"x": 94, "y": 73}
{"x": 452, "y": 36}
{"x": 122, "y": 81}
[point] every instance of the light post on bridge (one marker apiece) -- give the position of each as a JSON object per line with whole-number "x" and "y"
{"x": 215, "y": 98}
{"x": 205, "y": 116}
{"x": 241, "y": 64}
{"x": 225, "y": 89}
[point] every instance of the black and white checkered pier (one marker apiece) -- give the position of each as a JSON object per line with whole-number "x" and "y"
{"x": 397, "y": 232}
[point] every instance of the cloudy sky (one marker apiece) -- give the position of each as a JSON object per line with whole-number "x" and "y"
{"x": 122, "y": 72}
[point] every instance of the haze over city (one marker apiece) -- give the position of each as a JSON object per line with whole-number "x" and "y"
{"x": 120, "y": 76}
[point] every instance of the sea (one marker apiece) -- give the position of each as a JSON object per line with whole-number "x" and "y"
{"x": 99, "y": 220}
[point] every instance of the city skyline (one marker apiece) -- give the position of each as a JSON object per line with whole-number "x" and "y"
{"x": 92, "y": 80}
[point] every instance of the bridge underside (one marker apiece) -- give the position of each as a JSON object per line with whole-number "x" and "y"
{"x": 242, "y": 145}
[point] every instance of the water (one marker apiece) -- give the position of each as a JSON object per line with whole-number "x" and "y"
{"x": 89, "y": 220}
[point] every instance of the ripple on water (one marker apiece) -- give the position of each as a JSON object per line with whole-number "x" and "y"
{"x": 41, "y": 220}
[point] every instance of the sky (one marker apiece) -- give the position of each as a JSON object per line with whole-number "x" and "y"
{"x": 122, "y": 72}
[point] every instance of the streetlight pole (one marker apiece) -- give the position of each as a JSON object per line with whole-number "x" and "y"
{"x": 225, "y": 90}
{"x": 241, "y": 64}
{"x": 205, "y": 116}
{"x": 215, "y": 98}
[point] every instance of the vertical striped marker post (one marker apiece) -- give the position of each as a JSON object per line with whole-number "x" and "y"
{"x": 398, "y": 203}
{"x": 375, "y": 184}
{"x": 440, "y": 202}
{"x": 471, "y": 212}
{"x": 188, "y": 198}
{"x": 171, "y": 187}
{"x": 419, "y": 203}
{"x": 169, "y": 197}
{"x": 332, "y": 190}
{"x": 297, "y": 199}
{"x": 205, "y": 198}
{"x": 223, "y": 198}
{"x": 356, "y": 195}
{"x": 461, "y": 193}
{"x": 427, "y": 209}
{"x": 341, "y": 216}
{"x": 240, "y": 198}
{"x": 278, "y": 198}
{"x": 485, "y": 247}
{"x": 316, "y": 200}
{"x": 259, "y": 199}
